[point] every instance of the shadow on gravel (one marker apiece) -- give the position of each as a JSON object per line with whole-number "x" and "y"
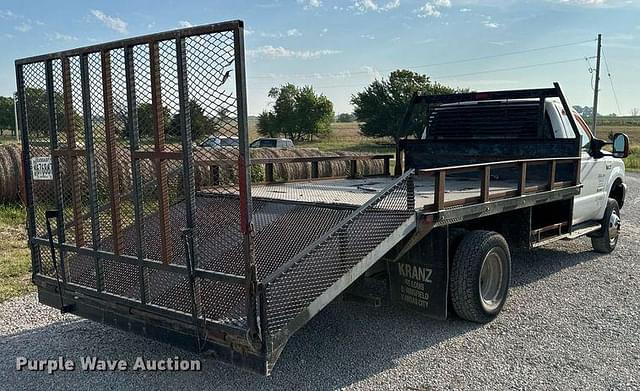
{"x": 528, "y": 266}
{"x": 345, "y": 343}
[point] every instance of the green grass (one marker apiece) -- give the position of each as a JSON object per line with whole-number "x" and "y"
{"x": 15, "y": 263}
{"x": 632, "y": 163}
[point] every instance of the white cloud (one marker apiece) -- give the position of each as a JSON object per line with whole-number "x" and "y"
{"x": 308, "y": 4}
{"x": 489, "y": 23}
{"x": 465, "y": 9}
{"x": 324, "y": 32}
{"x": 428, "y": 10}
{"x": 111, "y": 22}
{"x": 184, "y": 24}
{"x": 583, "y": 2}
{"x": 373, "y": 5}
{"x": 56, "y": 36}
{"x": 596, "y": 3}
{"x": 371, "y": 72}
{"x": 7, "y": 14}
{"x": 23, "y": 27}
{"x": 289, "y": 33}
{"x": 500, "y": 43}
{"x": 432, "y": 8}
{"x": 248, "y": 31}
{"x": 368, "y": 36}
{"x": 442, "y": 3}
{"x": 269, "y": 51}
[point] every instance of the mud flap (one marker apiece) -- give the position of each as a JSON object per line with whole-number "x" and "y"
{"x": 420, "y": 279}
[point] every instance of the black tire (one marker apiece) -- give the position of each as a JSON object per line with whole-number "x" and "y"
{"x": 476, "y": 249}
{"x": 607, "y": 240}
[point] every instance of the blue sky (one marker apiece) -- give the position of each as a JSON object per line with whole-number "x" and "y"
{"x": 341, "y": 46}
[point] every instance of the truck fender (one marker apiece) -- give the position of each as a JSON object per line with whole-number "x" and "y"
{"x": 617, "y": 173}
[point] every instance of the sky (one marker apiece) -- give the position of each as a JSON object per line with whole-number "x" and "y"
{"x": 340, "y": 46}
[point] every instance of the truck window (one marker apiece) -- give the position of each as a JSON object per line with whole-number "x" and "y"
{"x": 583, "y": 129}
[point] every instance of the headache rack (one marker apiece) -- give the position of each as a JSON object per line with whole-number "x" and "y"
{"x": 133, "y": 224}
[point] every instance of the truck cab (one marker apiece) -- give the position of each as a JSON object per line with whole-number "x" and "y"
{"x": 602, "y": 174}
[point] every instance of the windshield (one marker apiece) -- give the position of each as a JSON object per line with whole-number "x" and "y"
{"x": 229, "y": 142}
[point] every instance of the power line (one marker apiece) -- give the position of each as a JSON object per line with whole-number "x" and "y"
{"x": 615, "y": 96}
{"x": 471, "y": 59}
{"x": 480, "y": 72}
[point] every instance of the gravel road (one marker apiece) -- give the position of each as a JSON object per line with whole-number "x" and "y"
{"x": 572, "y": 322}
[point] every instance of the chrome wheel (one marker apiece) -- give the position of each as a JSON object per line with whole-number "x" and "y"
{"x": 491, "y": 280}
{"x": 614, "y": 228}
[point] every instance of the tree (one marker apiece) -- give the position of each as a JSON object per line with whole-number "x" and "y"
{"x": 201, "y": 124}
{"x": 145, "y": 119}
{"x": 7, "y": 117}
{"x": 267, "y": 124}
{"x": 297, "y": 113}
{"x": 382, "y": 104}
{"x": 37, "y": 112}
{"x": 584, "y": 111}
{"x": 345, "y": 117}
{"x": 314, "y": 114}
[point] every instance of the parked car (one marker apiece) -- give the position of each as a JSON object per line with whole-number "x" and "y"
{"x": 220, "y": 142}
{"x": 272, "y": 143}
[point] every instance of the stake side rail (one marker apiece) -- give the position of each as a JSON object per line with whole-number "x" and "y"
{"x": 486, "y": 195}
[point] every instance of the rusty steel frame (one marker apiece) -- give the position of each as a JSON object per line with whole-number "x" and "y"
{"x": 72, "y": 151}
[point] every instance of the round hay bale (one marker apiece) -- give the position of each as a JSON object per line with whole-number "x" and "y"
{"x": 10, "y": 173}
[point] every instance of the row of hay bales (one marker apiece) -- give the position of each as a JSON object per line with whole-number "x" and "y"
{"x": 11, "y": 170}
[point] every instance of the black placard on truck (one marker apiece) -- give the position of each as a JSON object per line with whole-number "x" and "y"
{"x": 419, "y": 279}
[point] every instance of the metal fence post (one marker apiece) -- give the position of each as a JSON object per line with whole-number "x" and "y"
{"x": 26, "y": 168}
{"x": 244, "y": 176}
{"x": 91, "y": 168}
{"x": 134, "y": 144}
{"x": 55, "y": 164}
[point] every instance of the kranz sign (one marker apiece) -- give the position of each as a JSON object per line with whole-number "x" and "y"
{"x": 419, "y": 279}
{"x": 41, "y": 168}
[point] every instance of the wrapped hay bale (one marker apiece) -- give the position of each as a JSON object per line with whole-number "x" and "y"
{"x": 10, "y": 173}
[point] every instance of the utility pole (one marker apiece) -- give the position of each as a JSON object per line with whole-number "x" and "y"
{"x": 597, "y": 85}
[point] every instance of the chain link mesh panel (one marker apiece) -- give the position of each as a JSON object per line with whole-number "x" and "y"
{"x": 115, "y": 121}
{"x": 316, "y": 269}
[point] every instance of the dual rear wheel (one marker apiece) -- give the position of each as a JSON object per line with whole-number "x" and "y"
{"x": 480, "y": 276}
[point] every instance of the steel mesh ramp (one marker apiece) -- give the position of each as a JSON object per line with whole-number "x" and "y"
{"x": 305, "y": 284}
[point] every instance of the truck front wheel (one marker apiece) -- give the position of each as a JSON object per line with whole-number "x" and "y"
{"x": 607, "y": 240}
{"x": 480, "y": 276}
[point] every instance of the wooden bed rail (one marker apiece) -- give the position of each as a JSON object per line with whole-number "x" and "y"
{"x": 269, "y": 164}
{"x": 440, "y": 174}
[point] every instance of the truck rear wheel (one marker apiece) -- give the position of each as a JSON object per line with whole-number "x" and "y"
{"x": 608, "y": 239}
{"x": 480, "y": 276}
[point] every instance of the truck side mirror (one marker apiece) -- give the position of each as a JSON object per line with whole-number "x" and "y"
{"x": 620, "y": 145}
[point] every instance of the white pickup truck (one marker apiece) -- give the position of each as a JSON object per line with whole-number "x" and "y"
{"x": 602, "y": 173}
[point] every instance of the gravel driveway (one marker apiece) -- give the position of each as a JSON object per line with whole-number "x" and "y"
{"x": 572, "y": 322}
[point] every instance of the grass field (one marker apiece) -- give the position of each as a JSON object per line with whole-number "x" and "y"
{"x": 15, "y": 264}
{"x": 14, "y": 255}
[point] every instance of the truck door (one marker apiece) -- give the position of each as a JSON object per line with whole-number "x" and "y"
{"x": 593, "y": 175}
